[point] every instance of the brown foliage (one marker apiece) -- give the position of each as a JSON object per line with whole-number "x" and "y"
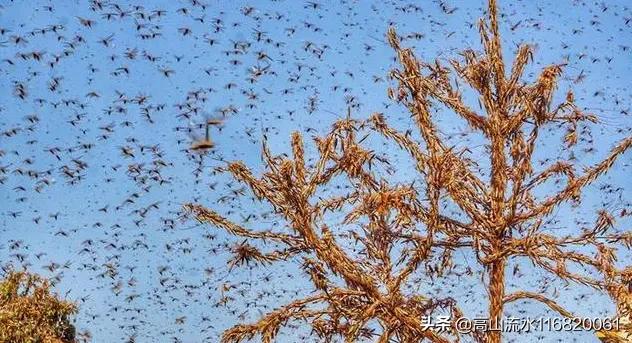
{"x": 502, "y": 218}
{"x": 29, "y": 312}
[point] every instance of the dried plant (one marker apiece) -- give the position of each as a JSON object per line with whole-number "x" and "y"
{"x": 29, "y": 312}
{"x": 403, "y": 229}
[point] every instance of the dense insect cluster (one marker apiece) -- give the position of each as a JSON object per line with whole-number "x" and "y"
{"x": 403, "y": 228}
{"x": 415, "y": 173}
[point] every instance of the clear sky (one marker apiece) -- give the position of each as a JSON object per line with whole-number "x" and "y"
{"x": 104, "y": 77}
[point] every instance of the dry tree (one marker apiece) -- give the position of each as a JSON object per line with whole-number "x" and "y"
{"x": 403, "y": 228}
{"x": 30, "y": 312}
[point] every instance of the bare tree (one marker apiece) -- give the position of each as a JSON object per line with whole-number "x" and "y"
{"x": 403, "y": 229}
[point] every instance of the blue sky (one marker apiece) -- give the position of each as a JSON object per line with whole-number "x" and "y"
{"x": 329, "y": 54}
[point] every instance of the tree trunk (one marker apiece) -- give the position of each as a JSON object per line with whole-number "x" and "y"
{"x": 496, "y": 291}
